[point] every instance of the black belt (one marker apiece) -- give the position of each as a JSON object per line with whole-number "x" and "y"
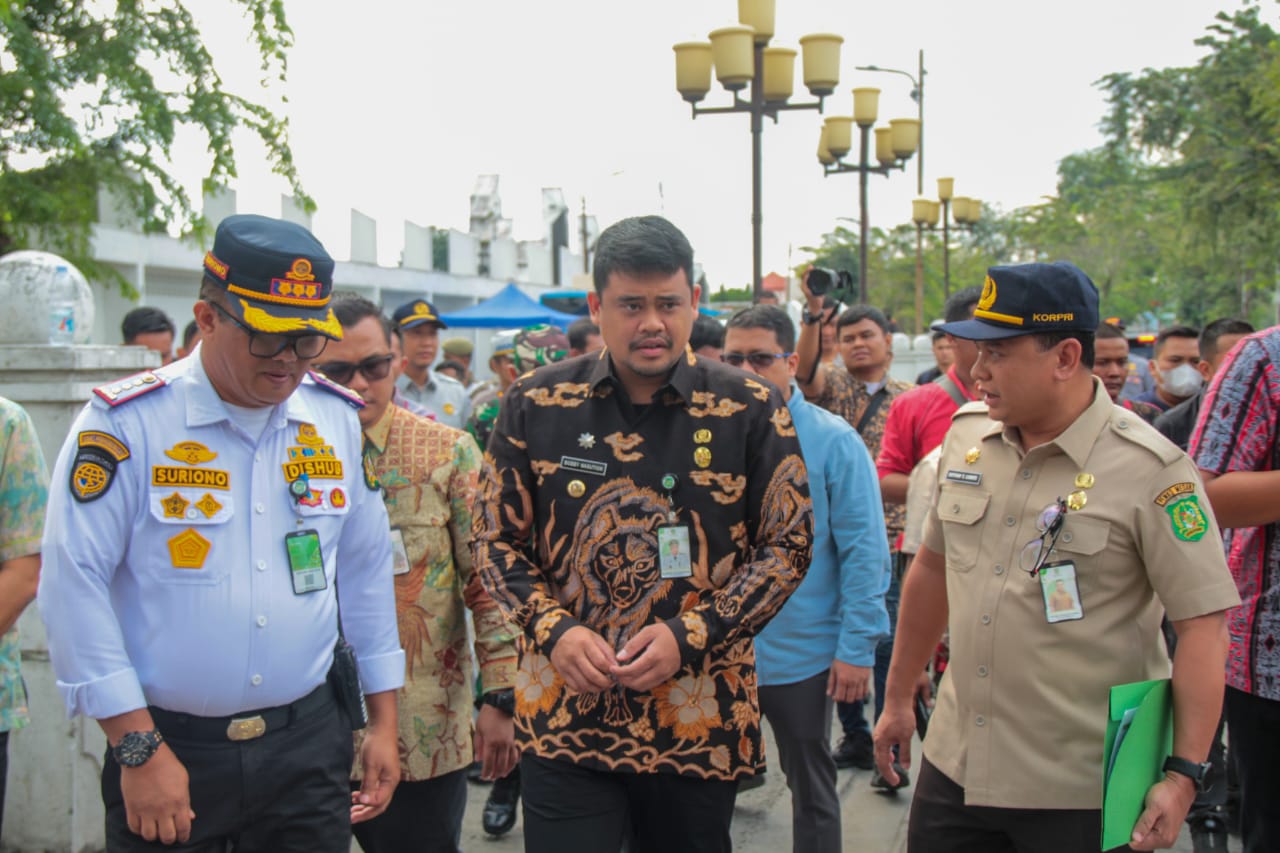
{"x": 243, "y": 726}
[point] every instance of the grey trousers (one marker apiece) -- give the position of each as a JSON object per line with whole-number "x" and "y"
{"x": 800, "y": 716}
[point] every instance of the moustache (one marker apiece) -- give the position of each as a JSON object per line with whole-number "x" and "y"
{"x": 649, "y": 342}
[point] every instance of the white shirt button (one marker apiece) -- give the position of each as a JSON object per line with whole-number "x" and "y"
{"x": 1066, "y": 536}
{"x": 256, "y": 680}
{"x": 262, "y": 565}
{"x": 982, "y": 671}
{"x": 986, "y": 620}
{"x": 1010, "y": 521}
{"x": 999, "y": 570}
{"x": 257, "y": 457}
{"x": 262, "y": 621}
{"x": 259, "y": 508}
{"x": 979, "y": 720}
{"x": 1026, "y": 473}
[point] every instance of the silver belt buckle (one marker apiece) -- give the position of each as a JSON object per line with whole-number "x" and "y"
{"x": 246, "y": 728}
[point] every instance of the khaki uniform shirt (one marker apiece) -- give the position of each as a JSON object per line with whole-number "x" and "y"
{"x": 428, "y": 474}
{"x": 1021, "y": 713}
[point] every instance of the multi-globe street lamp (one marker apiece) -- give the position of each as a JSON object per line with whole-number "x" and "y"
{"x": 894, "y": 146}
{"x": 926, "y": 213}
{"x": 741, "y": 56}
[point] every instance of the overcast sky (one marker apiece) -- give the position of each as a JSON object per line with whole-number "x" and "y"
{"x": 395, "y": 107}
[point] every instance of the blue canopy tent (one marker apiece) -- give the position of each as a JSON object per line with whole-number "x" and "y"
{"x": 509, "y": 308}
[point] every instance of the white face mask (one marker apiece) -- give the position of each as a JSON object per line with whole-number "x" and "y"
{"x": 1183, "y": 381}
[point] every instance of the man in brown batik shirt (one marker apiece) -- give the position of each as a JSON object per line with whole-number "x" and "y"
{"x": 636, "y": 703}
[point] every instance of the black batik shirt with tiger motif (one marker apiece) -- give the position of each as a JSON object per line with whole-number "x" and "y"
{"x": 566, "y": 533}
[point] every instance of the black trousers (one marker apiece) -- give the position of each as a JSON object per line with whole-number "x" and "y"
{"x": 1254, "y": 726}
{"x": 940, "y": 822}
{"x": 424, "y": 817}
{"x": 572, "y": 808}
{"x": 4, "y": 774}
{"x": 285, "y": 792}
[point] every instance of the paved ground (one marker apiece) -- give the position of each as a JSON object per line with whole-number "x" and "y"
{"x": 872, "y": 822}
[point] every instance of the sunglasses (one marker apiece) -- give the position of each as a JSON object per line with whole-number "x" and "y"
{"x": 263, "y": 345}
{"x": 759, "y": 360}
{"x": 373, "y": 368}
{"x": 1049, "y": 524}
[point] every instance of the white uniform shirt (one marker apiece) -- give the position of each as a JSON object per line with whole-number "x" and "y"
{"x": 172, "y": 587}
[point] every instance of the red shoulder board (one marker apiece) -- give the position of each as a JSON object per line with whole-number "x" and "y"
{"x": 129, "y": 388}
{"x": 352, "y": 398}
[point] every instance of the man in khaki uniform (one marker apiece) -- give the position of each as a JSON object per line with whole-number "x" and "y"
{"x": 1047, "y": 482}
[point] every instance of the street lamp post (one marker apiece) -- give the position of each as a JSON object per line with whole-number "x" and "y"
{"x": 924, "y": 212}
{"x": 917, "y": 95}
{"x": 967, "y": 211}
{"x": 740, "y": 56}
{"x": 894, "y": 146}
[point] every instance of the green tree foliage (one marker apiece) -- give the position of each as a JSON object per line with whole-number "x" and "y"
{"x": 92, "y": 97}
{"x": 1177, "y": 212}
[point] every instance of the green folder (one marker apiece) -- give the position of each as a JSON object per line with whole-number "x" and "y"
{"x": 1139, "y": 738}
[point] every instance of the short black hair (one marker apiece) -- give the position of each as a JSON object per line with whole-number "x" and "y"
{"x": 1048, "y": 340}
{"x": 641, "y": 245}
{"x": 769, "y": 317}
{"x": 351, "y": 308}
{"x": 578, "y": 332}
{"x": 1109, "y": 331}
{"x": 144, "y": 320}
{"x": 1210, "y": 334}
{"x": 706, "y": 332}
{"x": 1175, "y": 332}
{"x": 858, "y": 313}
{"x": 189, "y": 334}
{"x": 959, "y": 305}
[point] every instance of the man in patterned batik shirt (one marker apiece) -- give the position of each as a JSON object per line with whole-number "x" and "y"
{"x": 427, "y": 472}
{"x": 24, "y": 488}
{"x": 636, "y": 708}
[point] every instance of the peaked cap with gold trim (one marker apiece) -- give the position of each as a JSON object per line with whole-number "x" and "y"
{"x": 1030, "y": 299}
{"x": 277, "y": 276}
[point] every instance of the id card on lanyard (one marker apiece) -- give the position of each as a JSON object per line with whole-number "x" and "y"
{"x": 306, "y": 561}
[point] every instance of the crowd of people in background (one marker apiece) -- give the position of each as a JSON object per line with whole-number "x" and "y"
{"x": 589, "y": 576}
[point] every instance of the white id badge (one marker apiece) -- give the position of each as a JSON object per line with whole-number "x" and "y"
{"x": 1061, "y": 595}
{"x": 673, "y": 551}
{"x": 399, "y": 557}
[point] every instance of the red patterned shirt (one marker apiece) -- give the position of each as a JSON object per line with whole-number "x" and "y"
{"x": 1237, "y": 431}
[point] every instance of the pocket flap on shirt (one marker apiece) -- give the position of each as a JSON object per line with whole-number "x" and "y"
{"x": 1083, "y": 535}
{"x": 962, "y": 506}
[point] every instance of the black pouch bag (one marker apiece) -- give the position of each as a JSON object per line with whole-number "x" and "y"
{"x": 344, "y": 675}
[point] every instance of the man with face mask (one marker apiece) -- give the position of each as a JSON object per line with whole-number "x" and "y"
{"x": 1174, "y": 367}
{"x": 1216, "y": 341}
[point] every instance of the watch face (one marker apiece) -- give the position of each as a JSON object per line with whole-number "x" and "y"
{"x": 135, "y": 748}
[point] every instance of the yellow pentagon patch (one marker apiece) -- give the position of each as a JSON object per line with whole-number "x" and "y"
{"x": 190, "y": 452}
{"x": 188, "y": 550}
{"x": 208, "y": 505}
{"x": 175, "y": 506}
{"x": 449, "y": 409}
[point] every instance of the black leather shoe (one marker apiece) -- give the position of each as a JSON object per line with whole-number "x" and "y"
{"x": 882, "y": 785}
{"x": 855, "y": 750}
{"x": 500, "y": 809}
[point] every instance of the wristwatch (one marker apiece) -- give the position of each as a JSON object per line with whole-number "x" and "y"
{"x": 136, "y": 748}
{"x": 504, "y": 700}
{"x": 1197, "y": 773}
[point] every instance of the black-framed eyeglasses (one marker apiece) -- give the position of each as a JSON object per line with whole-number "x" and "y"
{"x": 265, "y": 345}
{"x": 373, "y": 368}
{"x": 1049, "y": 524}
{"x": 759, "y": 360}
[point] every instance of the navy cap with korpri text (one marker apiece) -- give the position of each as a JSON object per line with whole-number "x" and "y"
{"x": 1030, "y": 299}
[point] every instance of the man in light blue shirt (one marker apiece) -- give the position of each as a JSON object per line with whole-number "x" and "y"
{"x": 821, "y": 645}
{"x": 204, "y": 519}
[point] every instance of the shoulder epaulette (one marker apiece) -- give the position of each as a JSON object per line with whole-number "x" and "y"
{"x": 129, "y": 388}
{"x": 353, "y": 399}
{"x": 973, "y": 407}
{"x": 1129, "y": 425}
